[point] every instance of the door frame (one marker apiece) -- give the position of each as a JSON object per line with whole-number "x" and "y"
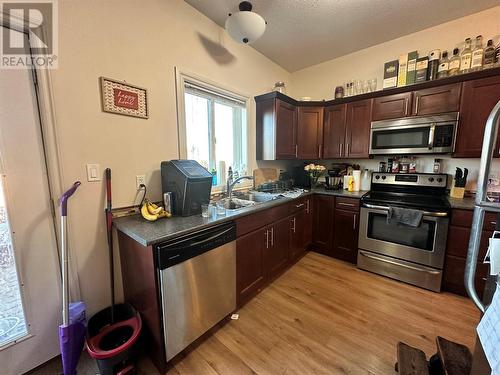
{"x": 43, "y": 89}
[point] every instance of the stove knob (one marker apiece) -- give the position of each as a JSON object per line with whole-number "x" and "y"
{"x": 431, "y": 179}
{"x": 384, "y": 177}
{"x": 439, "y": 179}
{"x": 377, "y": 177}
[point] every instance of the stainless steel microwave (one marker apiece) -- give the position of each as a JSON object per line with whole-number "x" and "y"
{"x": 414, "y": 135}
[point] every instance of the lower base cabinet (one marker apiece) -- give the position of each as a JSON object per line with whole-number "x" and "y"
{"x": 322, "y": 233}
{"x": 265, "y": 253}
{"x": 345, "y": 235}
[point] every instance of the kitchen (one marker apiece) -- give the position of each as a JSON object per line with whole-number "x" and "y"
{"x": 195, "y": 49}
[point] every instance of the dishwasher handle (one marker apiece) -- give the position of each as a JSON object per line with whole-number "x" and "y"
{"x": 175, "y": 251}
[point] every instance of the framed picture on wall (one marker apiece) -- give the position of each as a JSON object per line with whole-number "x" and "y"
{"x": 123, "y": 98}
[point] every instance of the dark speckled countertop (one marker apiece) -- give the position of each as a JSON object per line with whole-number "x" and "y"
{"x": 466, "y": 203}
{"x": 150, "y": 233}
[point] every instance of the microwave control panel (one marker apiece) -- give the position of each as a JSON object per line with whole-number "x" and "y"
{"x": 443, "y": 135}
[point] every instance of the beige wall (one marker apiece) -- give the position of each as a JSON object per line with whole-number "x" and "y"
{"x": 140, "y": 42}
{"x": 319, "y": 81}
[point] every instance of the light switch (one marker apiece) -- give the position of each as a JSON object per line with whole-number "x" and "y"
{"x": 93, "y": 172}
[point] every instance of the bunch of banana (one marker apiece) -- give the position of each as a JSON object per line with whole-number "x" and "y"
{"x": 152, "y": 212}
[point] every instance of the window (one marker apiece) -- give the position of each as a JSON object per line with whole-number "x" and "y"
{"x": 215, "y": 128}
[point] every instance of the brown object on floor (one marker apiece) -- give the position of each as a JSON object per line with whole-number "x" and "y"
{"x": 456, "y": 359}
{"x": 411, "y": 361}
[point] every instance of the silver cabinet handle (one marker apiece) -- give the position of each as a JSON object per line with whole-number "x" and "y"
{"x": 354, "y": 222}
{"x": 493, "y": 223}
{"x": 299, "y": 205}
{"x": 406, "y": 107}
{"x": 347, "y": 149}
{"x": 272, "y": 236}
{"x": 341, "y": 149}
{"x": 431, "y": 136}
{"x": 296, "y": 151}
{"x": 319, "y": 151}
{"x": 416, "y": 104}
{"x": 294, "y": 225}
{"x": 307, "y": 206}
{"x": 267, "y": 239}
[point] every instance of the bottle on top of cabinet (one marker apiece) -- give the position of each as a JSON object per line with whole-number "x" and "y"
{"x": 477, "y": 54}
{"x": 489, "y": 55}
{"x": 496, "y": 63}
{"x": 454, "y": 65}
{"x": 466, "y": 57}
{"x": 444, "y": 64}
{"x": 432, "y": 70}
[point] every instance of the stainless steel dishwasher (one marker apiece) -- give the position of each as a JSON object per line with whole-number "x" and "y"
{"x": 198, "y": 284}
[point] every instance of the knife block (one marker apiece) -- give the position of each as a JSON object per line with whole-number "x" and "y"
{"x": 457, "y": 192}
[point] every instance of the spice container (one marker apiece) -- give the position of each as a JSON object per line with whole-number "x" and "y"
{"x": 339, "y": 92}
{"x": 395, "y": 166}
{"x": 382, "y": 166}
{"x": 389, "y": 165}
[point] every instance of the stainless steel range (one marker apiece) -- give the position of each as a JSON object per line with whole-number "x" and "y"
{"x": 411, "y": 254}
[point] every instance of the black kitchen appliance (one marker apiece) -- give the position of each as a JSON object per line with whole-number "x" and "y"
{"x": 189, "y": 183}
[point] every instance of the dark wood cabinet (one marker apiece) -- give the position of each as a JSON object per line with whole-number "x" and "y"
{"x": 456, "y": 252}
{"x": 334, "y": 131}
{"x": 250, "y": 265}
{"x": 308, "y": 221}
{"x": 358, "y": 120}
{"x": 478, "y": 99}
{"x": 310, "y": 132}
{"x": 323, "y": 211}
{"x": 345, "y": 233}
{"x": 392, "y": 106}
{"x": 297, "y": 235}
{"x": 277, "y": 245}
{"x": 435, "y": 100}
{"x": 276, "y": 130}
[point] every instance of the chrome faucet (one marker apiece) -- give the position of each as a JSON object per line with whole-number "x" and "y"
{"x": 231, "y": 183}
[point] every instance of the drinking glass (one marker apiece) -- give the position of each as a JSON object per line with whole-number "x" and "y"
{"x": 373, "y": 84}
{"x": 366, "y": 87}
{"x": 205, "y": 210}
{"x": 221, "y": 209}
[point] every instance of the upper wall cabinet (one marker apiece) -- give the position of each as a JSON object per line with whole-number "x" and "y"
{"x": 478, "y": 99}
{"x": 358, "y": 121}
{"x": 392, "y": 106}
{"x": 440, "y": 99}
{"x": 310, "y": 133}
{"x": 276, "y": 130}
{"x": 334, "y": 131}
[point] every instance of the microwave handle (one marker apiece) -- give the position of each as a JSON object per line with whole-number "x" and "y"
{"x": 431, "y": 136}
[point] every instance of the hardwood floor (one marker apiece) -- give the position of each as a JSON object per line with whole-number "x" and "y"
{"x": 324, "y": 316}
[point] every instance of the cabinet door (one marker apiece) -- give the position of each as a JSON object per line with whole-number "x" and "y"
{"x": 392, "y": 106}
{"x": 286, "y": 130}
{"x": 308, "y": 222}
{"x": 310, "y": 133}
{"x": 297, "y": 234}
{"x": 277, "y": 245}
{"x": 478, "y": 99}
{"x": 334, "y": 131}
{"x": 345, "y": 235}
{"x": 358, "y": 129}
{"x": 250, "y": 265}
{"x": 436, "y": 100}
{"x": 323, "y": 223}
{"x": 453, "y": 275}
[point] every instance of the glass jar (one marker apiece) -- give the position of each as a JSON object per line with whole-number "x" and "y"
{"x": 280, "y": 87}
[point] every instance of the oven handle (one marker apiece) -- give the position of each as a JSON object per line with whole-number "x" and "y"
{"x": 397, "y": 263}
{"x": 425, "y": 213}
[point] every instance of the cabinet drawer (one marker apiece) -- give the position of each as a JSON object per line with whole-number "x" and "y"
{"x": 463, "y": 218}
{"x": 453, "y": 275}
{"x": 296, "y": 205}
{"x": 350, "y": 204}
{"x": 255, "y": 221}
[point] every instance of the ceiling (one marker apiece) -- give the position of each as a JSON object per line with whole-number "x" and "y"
{"x": 301, "y": 33}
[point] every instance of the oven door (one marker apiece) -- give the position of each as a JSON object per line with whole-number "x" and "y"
{"x": 424, "y": 245}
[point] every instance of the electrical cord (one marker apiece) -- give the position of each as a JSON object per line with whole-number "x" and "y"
{"x": 142, "y": 186}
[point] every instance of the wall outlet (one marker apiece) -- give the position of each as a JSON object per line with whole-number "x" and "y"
{"x": 140, "y": 179}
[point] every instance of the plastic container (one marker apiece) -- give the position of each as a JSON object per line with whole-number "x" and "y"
{"x": 366, "y": 178}
{"x": 113, "y": 346}
{"x": 357, "y": 180}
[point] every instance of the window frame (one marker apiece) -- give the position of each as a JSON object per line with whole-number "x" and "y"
{"x": 183, "y": 77}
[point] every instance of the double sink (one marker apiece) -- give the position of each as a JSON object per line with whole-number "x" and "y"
{"x": 246, "y": 199}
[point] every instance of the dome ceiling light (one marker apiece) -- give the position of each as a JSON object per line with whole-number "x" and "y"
{"x": 245, "y": 26}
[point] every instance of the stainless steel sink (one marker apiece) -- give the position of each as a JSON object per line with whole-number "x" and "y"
{"x": 238, "y": 203}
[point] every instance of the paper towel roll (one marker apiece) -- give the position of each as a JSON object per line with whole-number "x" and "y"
{"x": 357, "y": 179}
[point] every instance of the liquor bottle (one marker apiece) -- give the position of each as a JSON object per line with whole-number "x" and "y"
{"x": 432, "y": 70}
{"x": 466, "y": 57}
{"x": 477, "y": 55}
{"x": 454, "y": 65}
{"x": 496, "y": 63}
{"x": 489, "y": 55}
{"x": 444, "y": 64}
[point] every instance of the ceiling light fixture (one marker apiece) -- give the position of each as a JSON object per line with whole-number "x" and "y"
{"x": 245, "y": 26}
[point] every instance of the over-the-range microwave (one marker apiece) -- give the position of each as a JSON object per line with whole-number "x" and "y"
{"x": 414, "y": 135}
